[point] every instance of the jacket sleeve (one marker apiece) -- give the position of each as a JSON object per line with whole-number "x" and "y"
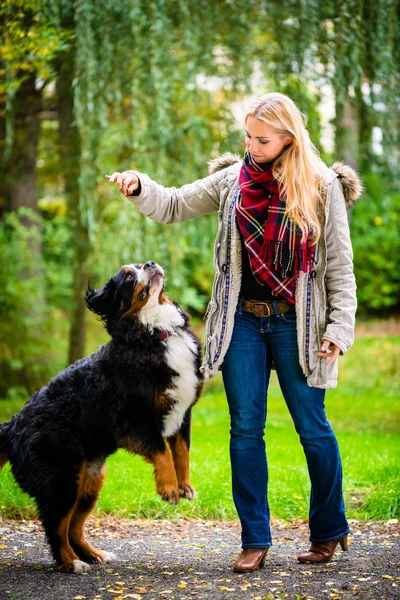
{"x": 172, "y": 205}
{"x": 339, "y": 276}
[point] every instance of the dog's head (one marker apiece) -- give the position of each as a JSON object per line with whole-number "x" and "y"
{"x": 132, "y": 289}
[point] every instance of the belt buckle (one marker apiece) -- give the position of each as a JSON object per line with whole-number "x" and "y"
{"x": 262, "y": 304}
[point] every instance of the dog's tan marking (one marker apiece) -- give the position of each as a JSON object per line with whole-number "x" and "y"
{"x": 180, "y": 454}
{"x": 136, "y": 303}
{"x": 163, "y": 299}
{"x": 165, "y": 399}
{"x": 66, "y": 552}
{"x": 165, "y": 476}
{"x": 90, "y": 489}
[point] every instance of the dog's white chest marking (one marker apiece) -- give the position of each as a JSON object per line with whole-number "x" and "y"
{"x": 181, "y": 351}
{"x": 180, "y": 355}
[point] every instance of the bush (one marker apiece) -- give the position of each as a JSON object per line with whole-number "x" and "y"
{"x": 375, "y": 232}
{"x": 27, "y": 321}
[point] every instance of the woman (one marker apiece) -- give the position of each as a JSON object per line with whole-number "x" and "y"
{"x": 284, "y": 296}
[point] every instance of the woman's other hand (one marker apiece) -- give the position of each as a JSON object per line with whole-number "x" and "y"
{"x": 329, "y": 351}
{"x": 127, "y": 182}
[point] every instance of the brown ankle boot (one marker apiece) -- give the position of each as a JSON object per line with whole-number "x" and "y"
{"x": 323, "y": 552}
{"x": 250, "y": 559}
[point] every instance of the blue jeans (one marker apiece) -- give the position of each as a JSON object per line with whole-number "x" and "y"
{"x": 256, "y": 342}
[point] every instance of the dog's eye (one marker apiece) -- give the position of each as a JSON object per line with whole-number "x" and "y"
{"x": 143, "y": 293}
{"x": 128, "y": 277}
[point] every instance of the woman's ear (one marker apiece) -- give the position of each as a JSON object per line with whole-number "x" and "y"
{"x": 101, "y": 302}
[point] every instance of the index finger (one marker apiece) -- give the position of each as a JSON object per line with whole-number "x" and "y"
{"x": 113, "y": 177}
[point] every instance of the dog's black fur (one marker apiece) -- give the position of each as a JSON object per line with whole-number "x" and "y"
{"x": 116, "y": 398}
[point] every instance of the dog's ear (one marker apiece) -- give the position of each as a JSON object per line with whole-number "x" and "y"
{"x": 101, "y": 302}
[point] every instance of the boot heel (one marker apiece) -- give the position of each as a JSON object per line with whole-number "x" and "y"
{"x": 344, "y": 543}
{"x": 262, "y": 561}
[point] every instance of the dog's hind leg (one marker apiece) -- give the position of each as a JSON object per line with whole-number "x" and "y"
{"x": 89, "y": 493}
{"x": 180, "y": 446}
{"x": 56, "y": 518}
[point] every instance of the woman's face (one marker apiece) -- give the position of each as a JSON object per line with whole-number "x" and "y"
{"x": 264, "y": 143}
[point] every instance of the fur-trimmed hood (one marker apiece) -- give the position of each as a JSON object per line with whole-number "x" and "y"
{"x": 348, "y": 177}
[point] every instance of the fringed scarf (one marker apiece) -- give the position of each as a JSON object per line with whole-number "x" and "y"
{"x": 272, "y": 239}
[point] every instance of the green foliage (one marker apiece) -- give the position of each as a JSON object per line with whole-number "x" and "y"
{"x": 375, "y": 228}
{"x": 354, "y": 46}
{"x": 31, "y": 40}
{"x": 29, "y": 297}
{"x": 22, "y": 310}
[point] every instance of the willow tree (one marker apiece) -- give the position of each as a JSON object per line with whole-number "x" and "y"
{"x": 132, "y": 66}
{"x": 136, "y": 64}
{"x": 355, "y": 46}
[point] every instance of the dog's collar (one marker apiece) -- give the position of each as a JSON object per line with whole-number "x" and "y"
{"x": 164, "y": 335}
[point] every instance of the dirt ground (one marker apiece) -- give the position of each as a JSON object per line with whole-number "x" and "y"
{"x": 187, "y": 559}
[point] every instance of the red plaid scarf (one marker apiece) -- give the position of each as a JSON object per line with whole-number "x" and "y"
{"x": 272, "y": 239}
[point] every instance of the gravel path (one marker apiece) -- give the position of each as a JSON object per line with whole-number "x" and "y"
{"x": 189, "y": 559}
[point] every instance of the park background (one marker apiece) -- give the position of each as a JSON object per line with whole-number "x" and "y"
{"x": 90, "y": 87}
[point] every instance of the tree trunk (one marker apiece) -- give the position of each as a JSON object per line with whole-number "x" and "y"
{"x": 4, "y": 193}
{"x": 70, "y": 154}
{"x": 347, "y": 133}
{"x": 366, "y": 156}
{"x": 22, "y": 161}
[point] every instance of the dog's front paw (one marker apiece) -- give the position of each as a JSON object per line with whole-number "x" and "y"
{"x": 170, "y": 495}
{"x": 186, "y": 490}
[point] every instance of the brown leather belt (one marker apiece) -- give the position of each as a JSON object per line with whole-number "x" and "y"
{"x": 265, "y": 309}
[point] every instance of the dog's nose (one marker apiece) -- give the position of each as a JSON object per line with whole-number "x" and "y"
{"x": 149, "y": 264}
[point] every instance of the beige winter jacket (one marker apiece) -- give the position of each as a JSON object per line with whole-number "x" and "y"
{"x": 325, "y": 298}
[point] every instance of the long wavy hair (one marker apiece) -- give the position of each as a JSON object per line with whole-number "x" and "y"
{"x": 298, "y": 169}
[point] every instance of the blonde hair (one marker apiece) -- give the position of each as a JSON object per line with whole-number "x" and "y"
{"x": 298, "y": 169}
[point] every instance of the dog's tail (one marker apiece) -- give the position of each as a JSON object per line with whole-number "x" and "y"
{"x": 4, "y": 444}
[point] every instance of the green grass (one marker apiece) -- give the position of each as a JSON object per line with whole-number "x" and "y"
{"x": 363, "y": 411}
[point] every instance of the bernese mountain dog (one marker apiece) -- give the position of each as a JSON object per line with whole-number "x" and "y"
{"x": 135, "y": 393}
